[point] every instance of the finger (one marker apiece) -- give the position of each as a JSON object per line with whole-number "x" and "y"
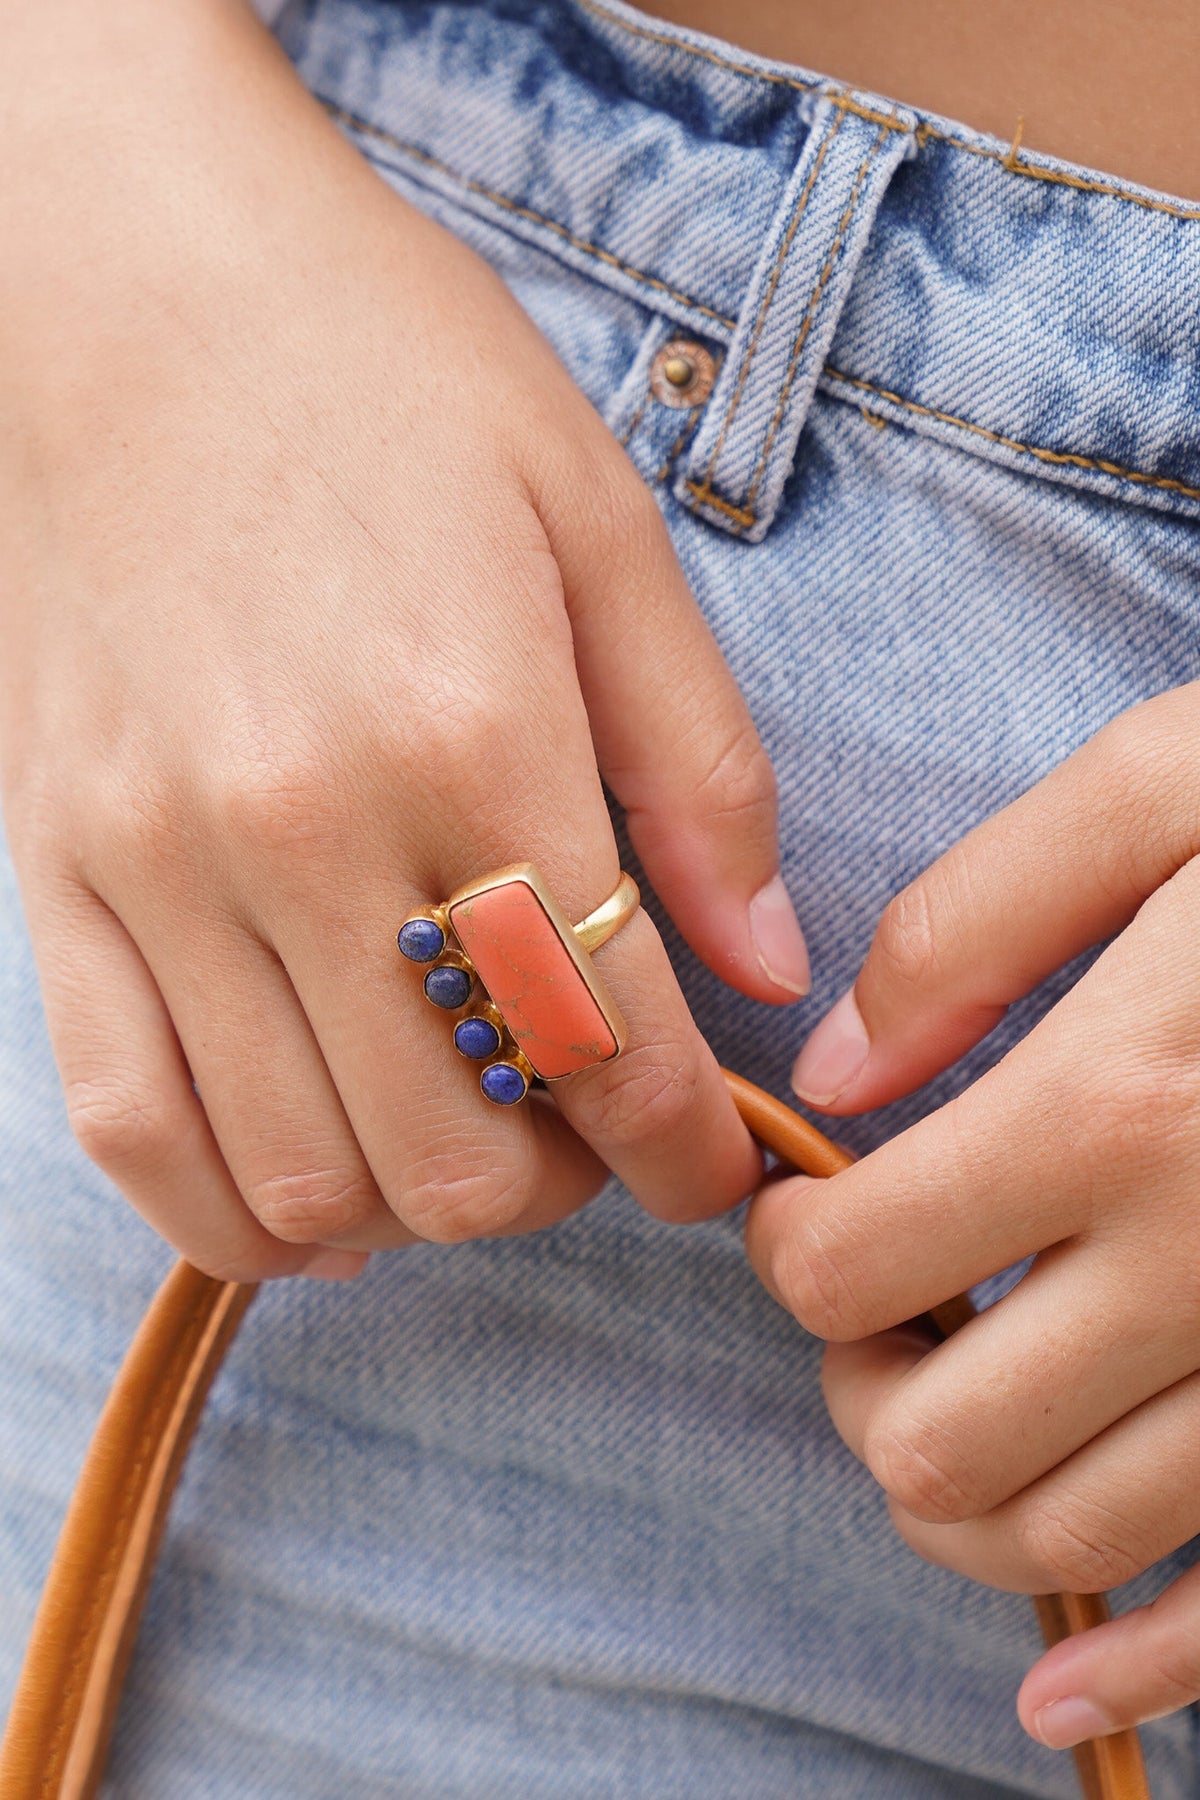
{"x": 268, "y": 1095}
{"x": 131, "y": 1101}
{"x": 858, "y": 1377}
{"x": 661, "y": 1115}
{"x": 1041, "y": 1149}
{"x": 451, "y": 1165}
{"x": 1102, "y": 1517}
{"x": 1025, "y": 1385}
{"x": 931, "y": 1212}
{"x": 1061, "y": 869}
{"x": 290, "y": 1143}
{"x": 675, "y": 742}
{"x": 1135, "y": 1668}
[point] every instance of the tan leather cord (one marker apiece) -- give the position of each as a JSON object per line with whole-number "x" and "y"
{"x": 56, "y": 1742}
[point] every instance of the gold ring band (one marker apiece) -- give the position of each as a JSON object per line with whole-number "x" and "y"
{"x": 610, "y": 915}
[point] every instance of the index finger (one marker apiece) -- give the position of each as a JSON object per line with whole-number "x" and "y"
{"x": 660, "y": 1114}
{"x": 955, "y": 1198}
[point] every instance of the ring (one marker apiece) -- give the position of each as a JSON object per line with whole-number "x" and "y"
{"x": 503, "y": 954}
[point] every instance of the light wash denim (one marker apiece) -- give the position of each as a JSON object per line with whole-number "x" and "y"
{"x": 563, "y": 1517}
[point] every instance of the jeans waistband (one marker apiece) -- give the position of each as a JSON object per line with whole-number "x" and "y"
{"x": 814, "y": 236}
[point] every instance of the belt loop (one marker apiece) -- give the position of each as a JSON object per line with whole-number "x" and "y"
{"x": 743, "y": 452}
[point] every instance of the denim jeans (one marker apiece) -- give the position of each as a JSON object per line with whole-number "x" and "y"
{"x": 563, "y": 1517}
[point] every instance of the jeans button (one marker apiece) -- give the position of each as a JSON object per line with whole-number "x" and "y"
{"x": 682, "y": 374}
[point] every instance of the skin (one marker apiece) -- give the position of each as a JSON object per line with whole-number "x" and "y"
{"x": 324, "y": 590}
{"x": 1019, "y": 1451}
{"x": 1111, "y": 86}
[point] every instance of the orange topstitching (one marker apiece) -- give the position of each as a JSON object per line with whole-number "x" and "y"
{"x": 769, "y": 294}
{"x": 1006, "y": 159}
{"x": 810, "y": 313}
{"x": 1068, "y": 457}
{"x": 368, "y": 129}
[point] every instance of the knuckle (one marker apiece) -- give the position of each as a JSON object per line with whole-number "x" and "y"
{"x": 1146, "y": 760}
{"x": 282, "y": 798}
{"x": 310, "y": 1206}
{"x": 1171, "y": 1665}
{"x": 906, "y": 949}
{"x": 622, "y": 510}
{"x": 1141, "y": 744}
{"x": 137, "y": 815}
{"x": 739, "y": 786}
{"x": 813, "y": 1274}
{"x": 922, "y": 1470}
{"x": 1074, "y": 1550}
{"x": 125, "y": 1130}
{"x": 461, "y": 722}
{"x": 452, "y": 1199}
{"x": 1144, "y": 1124}
{"x": 651, "y": 1092}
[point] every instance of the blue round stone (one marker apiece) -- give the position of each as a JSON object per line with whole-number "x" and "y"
{"x": 447, "y": 986}
{"x": 476, "y": 1037}
{"x": 503, "y": 1084}
{"x": 421, "y": 940}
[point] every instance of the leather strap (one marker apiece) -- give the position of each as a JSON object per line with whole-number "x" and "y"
{"x": 56, "y": 1742}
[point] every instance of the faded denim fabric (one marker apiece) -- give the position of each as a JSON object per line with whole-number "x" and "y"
{"x": 563, "y": 1517}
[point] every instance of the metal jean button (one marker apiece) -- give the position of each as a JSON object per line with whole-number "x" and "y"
{"x": 682, "y": 374}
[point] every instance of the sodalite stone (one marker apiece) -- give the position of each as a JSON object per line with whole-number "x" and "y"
{"x": 503, "y": 1084}
{"x": 448, "y": 987}
{"x": 421, "y": 940}
{"x": 476, "y": 1038}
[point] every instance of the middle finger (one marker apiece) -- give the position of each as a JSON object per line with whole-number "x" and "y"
{"x": 1035, "y": 1377}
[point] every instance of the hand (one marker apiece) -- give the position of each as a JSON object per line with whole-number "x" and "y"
{"x": 329, "y": 591}
{"x": 1052, "y": 1444}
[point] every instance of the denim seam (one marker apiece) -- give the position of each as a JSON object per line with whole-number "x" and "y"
{"x": 365, "y": 127}
{"x": 739, "y": 514}
{"x": 1067, "y": 458}
{"x": 1015, "y": 165}
{"x": 699, "y": 50}
{"x": 672, "y": 454}
{"x": 1006, "y": 159}
{"x": 627, "y": 435}
{"x": 769, "y": 294}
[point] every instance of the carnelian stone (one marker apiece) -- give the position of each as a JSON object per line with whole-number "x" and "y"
{"x": 532, "y": 980}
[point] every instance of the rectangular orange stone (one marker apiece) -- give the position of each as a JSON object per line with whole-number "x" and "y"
{"x": 533, "y": 980}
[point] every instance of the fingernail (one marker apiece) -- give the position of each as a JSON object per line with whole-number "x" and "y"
{"x": 833, "y": 1055}
{"x": 335, "y": 1265}
{"x": 778, "y": 939}
{"x": 1065, "y": 1723}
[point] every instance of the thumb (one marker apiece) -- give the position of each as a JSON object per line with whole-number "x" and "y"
{"x": 1061, "y": 869}
{"x": 1118, "y": 1674}
{"x": 675, "y": 742}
